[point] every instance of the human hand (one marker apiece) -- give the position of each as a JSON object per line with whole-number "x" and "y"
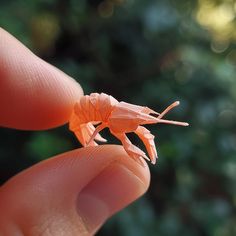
{"x": 70, "y": 194}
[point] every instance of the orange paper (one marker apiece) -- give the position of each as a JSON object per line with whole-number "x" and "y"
{"x": 102, "y": 110}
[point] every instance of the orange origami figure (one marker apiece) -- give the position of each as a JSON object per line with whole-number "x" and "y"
{"x": 120, "y": 117}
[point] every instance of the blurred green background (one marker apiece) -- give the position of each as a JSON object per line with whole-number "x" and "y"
{"x": 148, "y": 53}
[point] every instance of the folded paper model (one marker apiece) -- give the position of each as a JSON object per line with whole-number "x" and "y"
{"x": 102, "y": 110}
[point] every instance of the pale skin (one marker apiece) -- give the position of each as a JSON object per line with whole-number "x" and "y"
{"x": 70, "y": 194}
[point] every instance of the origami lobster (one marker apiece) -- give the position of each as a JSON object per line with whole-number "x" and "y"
{"x": 102, "y": 110}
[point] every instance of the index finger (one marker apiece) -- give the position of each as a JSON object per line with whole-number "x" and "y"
{"x": 33, "y": 94}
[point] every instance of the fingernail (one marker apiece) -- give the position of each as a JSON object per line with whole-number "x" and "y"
{"x": 109, "y": 192}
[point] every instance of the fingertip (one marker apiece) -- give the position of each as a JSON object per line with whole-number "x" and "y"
{"x": 85, "y": 186}
{"x": 33, "y": 94}
{"x": 119, "y": 156}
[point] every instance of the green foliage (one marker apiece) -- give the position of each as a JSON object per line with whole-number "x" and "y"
{"x": 44, "y": 145}
{"x": 148, "y": 53}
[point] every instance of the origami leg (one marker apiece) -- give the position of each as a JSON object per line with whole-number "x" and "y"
{"x": 95, "y": 134}
{"x": 131, "y": 149}
{"x": 148, "y": 140}
{"x": 84, "y": 134}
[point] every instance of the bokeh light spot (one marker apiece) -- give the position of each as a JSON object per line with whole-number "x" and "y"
{"x": 219, "y": 46}
{"x": 217, "y": 18}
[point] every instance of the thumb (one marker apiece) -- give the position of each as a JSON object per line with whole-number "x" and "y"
{"x": 71, "y": 194}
